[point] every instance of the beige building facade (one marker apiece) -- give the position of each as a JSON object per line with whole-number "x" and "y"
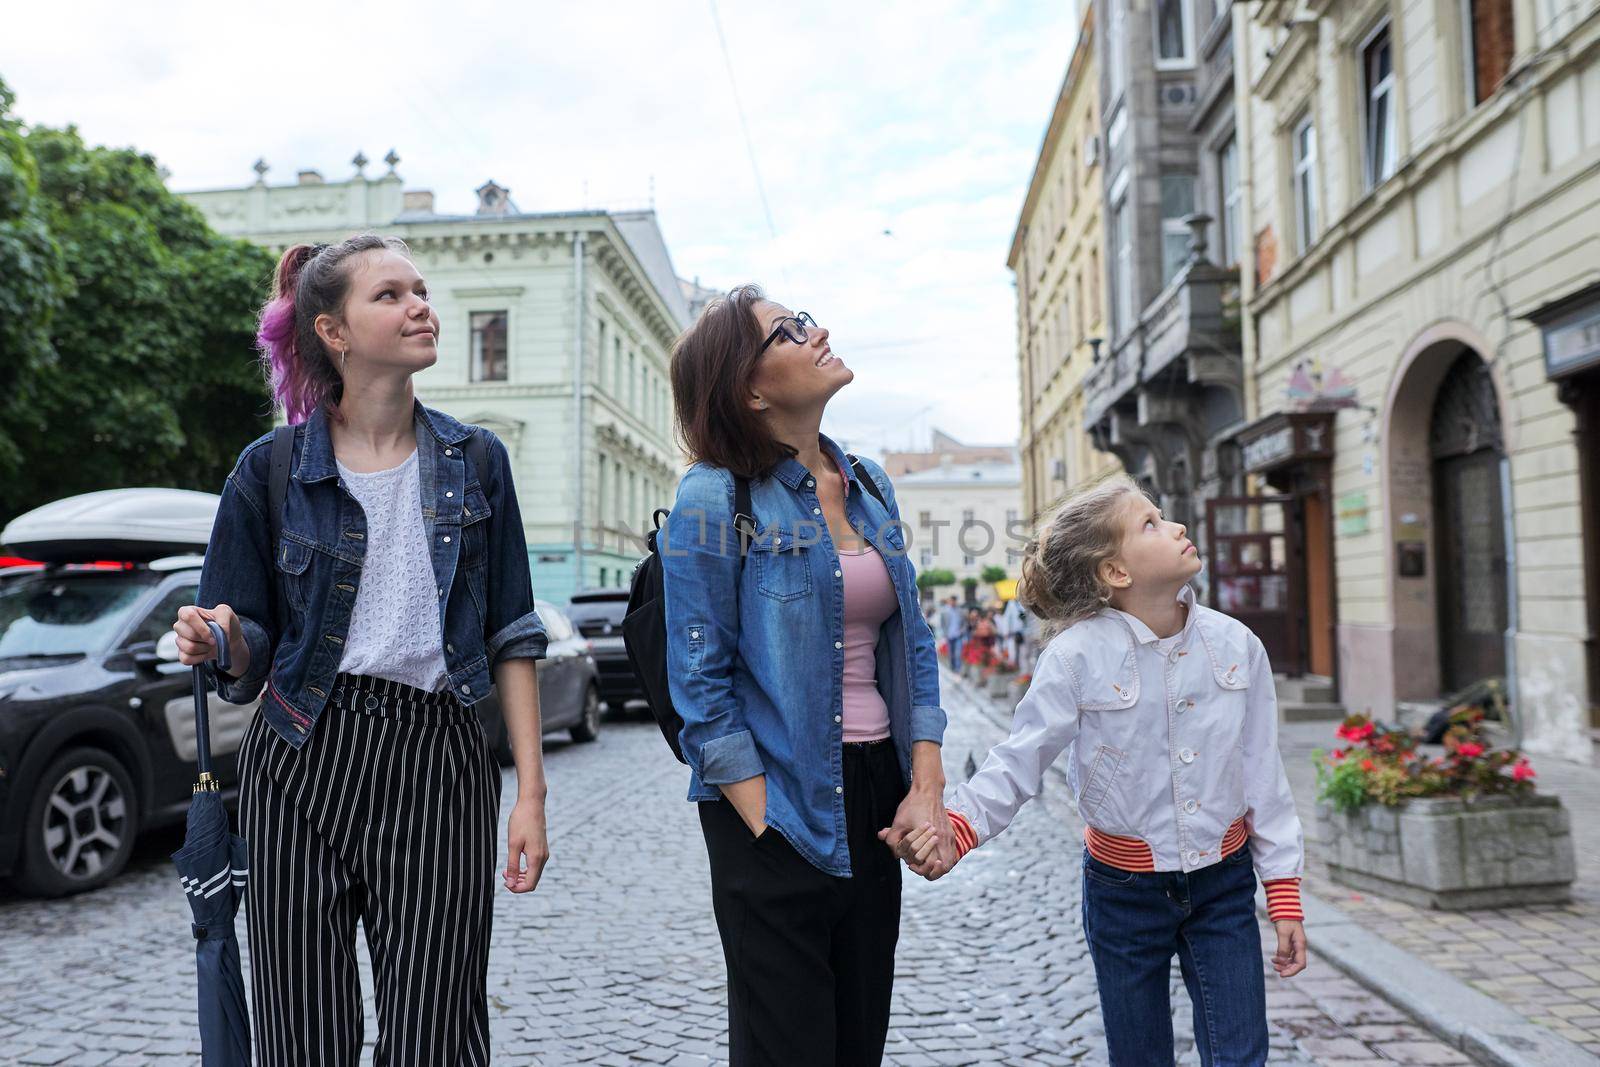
{"x": 555, "y": 334}
{"x": 964, "y": 518}
{"x": 1421, "y": 187}
{"x": 1057, "y": 262}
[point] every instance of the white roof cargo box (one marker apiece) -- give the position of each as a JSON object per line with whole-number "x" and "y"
{"x": 121, "y": 524}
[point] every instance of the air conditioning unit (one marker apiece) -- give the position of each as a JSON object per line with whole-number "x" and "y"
{"x": 1091, "y": 150}
{"x": 1058, "y": 470}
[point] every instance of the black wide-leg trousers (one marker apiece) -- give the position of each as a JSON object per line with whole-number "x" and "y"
{"x": 387, "y": 814}
{"x": 810, "y": 956}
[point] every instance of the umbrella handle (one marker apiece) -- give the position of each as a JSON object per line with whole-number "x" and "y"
{"x": 202, "y": 724}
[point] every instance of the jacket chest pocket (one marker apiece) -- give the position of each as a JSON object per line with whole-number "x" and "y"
{"x": 782, "y": 564}
{"x": 293, "y": 564}
{"x": 474, "y": 528}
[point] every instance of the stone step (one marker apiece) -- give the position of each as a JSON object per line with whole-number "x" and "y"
{"x": 1311, "y": 711}
{"x": 1307, "y": 689}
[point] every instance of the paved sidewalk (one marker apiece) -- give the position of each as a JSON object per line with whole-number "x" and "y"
{"x": 1543, "y": 959}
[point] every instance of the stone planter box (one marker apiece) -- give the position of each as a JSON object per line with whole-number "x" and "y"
{"x": 999, "y": 684}
{"x": 1450, "y": 854}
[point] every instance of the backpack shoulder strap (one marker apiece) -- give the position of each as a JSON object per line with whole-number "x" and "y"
{"x": 478, "y": 449}
{"x": 866, "y": 480}
{"x": 744, "y": 518}
{"x": 278, "y": 479}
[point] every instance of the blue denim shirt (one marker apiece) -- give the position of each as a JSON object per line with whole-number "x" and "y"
{"x": 755, "y": 653}
{"x": 294, "y": 604}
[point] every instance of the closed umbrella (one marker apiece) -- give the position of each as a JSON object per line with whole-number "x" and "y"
{"x": 212, "y": 867}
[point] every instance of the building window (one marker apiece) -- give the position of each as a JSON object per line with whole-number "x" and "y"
{"x": 1174, "y": 33}
{"x": 927, "y": 559}
{"x": 1380, "y": 144}
{"x": 1491, "y": 41}
{"x": 1117, "y": 127}
{"x": 1228, "y": 184}
{"x": 600, "y": 370}
{"x": 924, "y": 519}
{"x": 600, "y": 492}
{"x": 968, "y": 516}
{"x": 1305, "y": 183}
{"x": 1177, "y": 203}
{"x": 1122, "y": 267}
{"x": 488, "y": 346}
{"x": 969, "y": 561}
{"x": 616, "y": 367}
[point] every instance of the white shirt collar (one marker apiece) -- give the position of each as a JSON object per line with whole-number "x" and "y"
{"x": 1144, "y": 635}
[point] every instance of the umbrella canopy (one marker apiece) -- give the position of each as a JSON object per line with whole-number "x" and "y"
{"x": 213, "y": 867}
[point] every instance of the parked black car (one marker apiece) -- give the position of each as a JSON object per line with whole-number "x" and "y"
{"x": 598, "y": 613}
{"x": 97, "y": 715}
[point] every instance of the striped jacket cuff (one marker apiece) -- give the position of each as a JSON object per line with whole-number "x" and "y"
{"x": 1283, "y": 899}
{"x": 966, "y": 837}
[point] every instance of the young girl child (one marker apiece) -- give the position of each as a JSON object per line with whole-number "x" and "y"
{"x": 1168, "y": 711}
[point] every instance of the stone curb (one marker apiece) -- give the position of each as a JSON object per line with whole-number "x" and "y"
{"x": 1471, "y": 1021}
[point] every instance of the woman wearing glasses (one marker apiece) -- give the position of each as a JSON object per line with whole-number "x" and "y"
{"x": 808, "y": 684}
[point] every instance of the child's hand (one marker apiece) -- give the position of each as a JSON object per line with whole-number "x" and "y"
{"x": 1290, "y": 959}
{"x": 929, "y": 854}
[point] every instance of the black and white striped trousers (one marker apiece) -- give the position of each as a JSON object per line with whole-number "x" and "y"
{"x": 387, "y": 814}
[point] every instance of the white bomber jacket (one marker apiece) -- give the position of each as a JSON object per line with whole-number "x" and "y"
{"x": 1169, "y": 741}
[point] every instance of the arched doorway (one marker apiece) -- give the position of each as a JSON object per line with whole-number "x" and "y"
{"x": 1466, "y": 450}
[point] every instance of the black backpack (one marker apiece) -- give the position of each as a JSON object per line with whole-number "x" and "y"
{"x": 644, "y": 627}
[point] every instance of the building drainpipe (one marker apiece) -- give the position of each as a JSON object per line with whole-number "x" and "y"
{"x": 579, "y": 450}
{"x": 1516, "y": 710}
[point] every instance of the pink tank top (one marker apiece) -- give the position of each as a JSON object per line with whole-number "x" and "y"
{"x": 869, "y": 600}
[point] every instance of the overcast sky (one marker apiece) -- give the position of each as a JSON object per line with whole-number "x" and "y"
{"x": 894, "y": 139}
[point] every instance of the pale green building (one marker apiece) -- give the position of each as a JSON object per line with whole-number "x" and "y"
{"x": 555, "y": 331}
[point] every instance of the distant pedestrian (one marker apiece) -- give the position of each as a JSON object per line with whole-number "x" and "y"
{"x": 1169, "y": 712}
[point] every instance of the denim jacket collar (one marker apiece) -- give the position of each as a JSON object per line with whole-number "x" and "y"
{"x": 793, "y": 473}
{"x": 316, "y": 458}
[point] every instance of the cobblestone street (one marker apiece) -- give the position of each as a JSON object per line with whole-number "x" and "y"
{"x": 615, "y": 959}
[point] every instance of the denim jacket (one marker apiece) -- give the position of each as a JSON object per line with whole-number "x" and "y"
{"x": 294, "y": 604}
{"x": 755, "y": 652}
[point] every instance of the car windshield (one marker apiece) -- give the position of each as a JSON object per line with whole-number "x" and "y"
{"x": 54, "y": 616}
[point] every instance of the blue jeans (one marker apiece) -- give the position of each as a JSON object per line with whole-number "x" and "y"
{"x": 1134, "y": 922}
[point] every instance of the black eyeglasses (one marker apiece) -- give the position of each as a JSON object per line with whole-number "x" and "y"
{"x": 792, "y": 327}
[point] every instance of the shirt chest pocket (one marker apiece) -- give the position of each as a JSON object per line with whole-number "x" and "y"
{"x": 782, "y": 564}
{"x": 1108, "y": 684}
{"x": 474, "y": 529}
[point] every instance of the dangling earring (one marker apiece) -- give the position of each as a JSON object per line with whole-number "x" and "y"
{"x": 344, "y": 357}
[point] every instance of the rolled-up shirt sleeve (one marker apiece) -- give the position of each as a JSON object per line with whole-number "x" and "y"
{"x": 512, "y": 628}
{"x": 701, "y": 566}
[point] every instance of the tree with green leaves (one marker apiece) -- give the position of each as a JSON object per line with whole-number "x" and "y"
{"x": 992, "y": 574}
{"x": 137, "y": 362}
{"x": 931, "y": 579}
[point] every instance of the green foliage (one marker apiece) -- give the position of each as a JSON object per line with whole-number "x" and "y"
{"x": 137, "y": 365}
{"x": 937, "y": 577}
{"x": 994, "y": 574}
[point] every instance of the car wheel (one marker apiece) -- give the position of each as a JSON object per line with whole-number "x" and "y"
{"x": 80, "y": 827}
{"x": 588, "y": 727}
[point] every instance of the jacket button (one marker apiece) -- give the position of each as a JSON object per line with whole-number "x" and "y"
{"x": 838, "y": 574}
{"x": 1191, "y": 858}
{"x": 467, "y": 689}
{"x": 450, "y": 648}
{"x": 448, "y": 494}
{"x": 441, "y": 591}
{"x": 447, "y": 539}
{"x": 1181, "y": 706}
{"x": 810, "y": 484}
{"x": 838, "y": 644}
{"x": 838, "y": 718}
{"x": 1191, "y": 806}
{"x": 816, "y": 511}
{"x": 838, "y": 789}
{"x": 1186, "y": 756}
{"x": 694, "y": 634}
{"x": 448, "y": 452}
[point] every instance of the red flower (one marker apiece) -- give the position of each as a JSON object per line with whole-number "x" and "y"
{"x": 1469, "y": 749}
{"x": 1338, "y": 754}
{"x": 1522, "y": 772}
{"x": 1357, "y": 731}
{"x": 1367, "y": 765}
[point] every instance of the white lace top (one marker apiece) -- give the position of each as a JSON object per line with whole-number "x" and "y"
{"x": 394, "y": 627}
